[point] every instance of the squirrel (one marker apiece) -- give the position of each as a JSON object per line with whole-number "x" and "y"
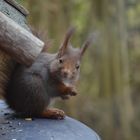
{"x": 31, "y": 89}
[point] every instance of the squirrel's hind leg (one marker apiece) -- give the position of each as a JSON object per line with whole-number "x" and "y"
{"x": 53, "y": 113}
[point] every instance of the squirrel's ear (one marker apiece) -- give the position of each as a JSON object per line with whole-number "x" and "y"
{"x": 65, "y": 43}
{"x": 87, "y": 43}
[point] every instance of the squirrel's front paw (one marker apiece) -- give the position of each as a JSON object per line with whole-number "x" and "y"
{"x": 65, "y": 97}
{"x": 73, "y": 92}
{"x": 54, "y": 113}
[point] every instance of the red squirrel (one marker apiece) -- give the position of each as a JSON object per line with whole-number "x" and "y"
{"x": 31, "y": 89}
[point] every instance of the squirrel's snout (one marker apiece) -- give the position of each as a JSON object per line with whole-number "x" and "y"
{"x": 66, "y": 73}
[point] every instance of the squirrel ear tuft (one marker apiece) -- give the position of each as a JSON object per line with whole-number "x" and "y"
{"x": 65, "y": 43}
{"x": 47, "y": 45}
{"x": 88, "y": 42}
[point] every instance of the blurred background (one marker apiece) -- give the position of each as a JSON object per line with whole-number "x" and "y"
{"x": 109, "y": 87}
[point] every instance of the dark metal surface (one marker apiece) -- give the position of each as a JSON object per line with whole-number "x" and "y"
{"x": 12, "y": 128}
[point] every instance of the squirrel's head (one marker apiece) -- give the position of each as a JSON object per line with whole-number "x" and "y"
{"x": 66, "y": 65}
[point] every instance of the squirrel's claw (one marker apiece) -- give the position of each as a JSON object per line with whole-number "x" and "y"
{"x": 65, "y": 97}
{"x": 73, "y": 92}
{"x": 53, "y": 113}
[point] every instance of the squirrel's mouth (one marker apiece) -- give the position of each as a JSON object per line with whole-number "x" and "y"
{"x": 57, "y": 75}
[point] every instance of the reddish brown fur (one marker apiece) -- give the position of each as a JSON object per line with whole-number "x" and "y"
{"x": 6, "y": 68}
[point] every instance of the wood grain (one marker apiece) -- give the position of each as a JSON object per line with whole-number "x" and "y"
{"x": 17, "y": 42}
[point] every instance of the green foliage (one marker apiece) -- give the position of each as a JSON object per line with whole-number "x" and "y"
{"x": 20, "y": 0}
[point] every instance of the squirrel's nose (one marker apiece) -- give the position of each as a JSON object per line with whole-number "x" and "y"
{"x": 66, "y": 72}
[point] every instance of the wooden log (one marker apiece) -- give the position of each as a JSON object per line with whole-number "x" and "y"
{"x": 17, "y": 42}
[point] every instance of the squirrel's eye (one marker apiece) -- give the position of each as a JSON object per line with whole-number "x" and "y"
{"x": 60, "y": 61}
{"x": 77, "y": 67}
